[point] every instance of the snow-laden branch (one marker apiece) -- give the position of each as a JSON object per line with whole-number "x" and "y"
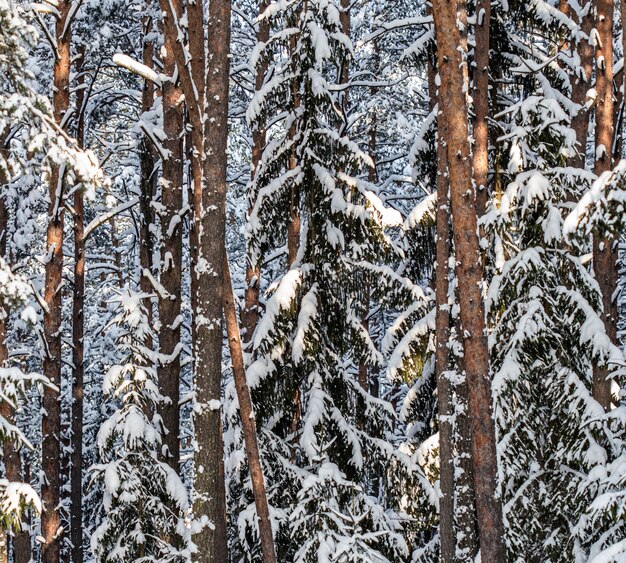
{"x": 136, "y": 67}
{"x": 112, "y": 213}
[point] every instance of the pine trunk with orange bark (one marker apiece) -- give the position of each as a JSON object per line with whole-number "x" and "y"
{"x": 51, "y": 420}
{"x": 452, "y": 66}
{"x": 604, "y": 252}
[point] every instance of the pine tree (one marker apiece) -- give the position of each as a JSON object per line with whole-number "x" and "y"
{"x": 145, "y": 502}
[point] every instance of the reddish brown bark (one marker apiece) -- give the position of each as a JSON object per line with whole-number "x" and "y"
{"x": 480, "y": 95}
{"x": 147, "y": 161}
{"x": 169, "y": 303}
{"x": 250, "y": 313}
{"x": 210, "y": 296}
{"x": 604, "y": 254}
{"x": 581, "y": 86}
{"x": 455, "y": 131}
{"x": 51, "y": 419}
{"x": 248, "y": 421}
{"x": 444, "y": 387}
{"x": 447, "y": 532}
{"x": 78, "y": 329}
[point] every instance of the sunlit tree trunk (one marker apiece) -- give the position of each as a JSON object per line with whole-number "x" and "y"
{"x": 604, "y": 253}
{"x": 480, "y": 96}
{"x": 452, "y": 65}
{"x": 248, "y": 422}
{"x": 51, "y": 419}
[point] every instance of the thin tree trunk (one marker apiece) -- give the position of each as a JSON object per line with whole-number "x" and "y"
{"x": 171, "y": 253}
{"x": 197, "y": 67}
{"x": 581, "y": 85}
{"x": 78, "y": 329}
{"x": 480, "y": 95}
{"x": 455, "y": 132}
{"x": 604, "y": 254}
{"x": 248, "y": 421}
{"x": 447, "y": 532}
{"x": 464, "y": 490}
{"x": 447, "y": 535}
{"x": 146, "y": 246}
{"x": 250, "y": 313}
{"x": 51, "y": 419}
{"x": 210, "y": 487}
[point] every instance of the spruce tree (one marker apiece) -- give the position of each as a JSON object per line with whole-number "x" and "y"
{"x": 145, "y": 502}
{"x": 310, "y": 341}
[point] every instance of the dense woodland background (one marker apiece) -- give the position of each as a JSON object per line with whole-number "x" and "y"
{"x": 312, "y": 280}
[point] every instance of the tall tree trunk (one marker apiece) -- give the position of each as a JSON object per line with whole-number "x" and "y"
{"x": 146, "y": 246}
{"x": 78, "y": 329}
{"x": 171, "y": 252}
{"x": 455, "y": 132}
{"x": 210, "y": 487}
{"x": 447, "y": 536}
{"x": 197, "y": 67}
{"x": 480, "y": 95}
{"x": 604, "y": 254}
{"x": 250, "y": 313}
{"x": 581, "y": 83}
{"x": 51, "y": 419}
{"x": 248, "y": 421}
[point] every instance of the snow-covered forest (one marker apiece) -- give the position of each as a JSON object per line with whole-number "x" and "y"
{"x": 329, "y": 281}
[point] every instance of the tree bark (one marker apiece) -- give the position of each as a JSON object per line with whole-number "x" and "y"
{"x": 480, "y": 95}
{"x": 604, "y": 253}
{"x": 78, "y": 328}
{"x": 455, "y": 132}
{"x": 250, "y": 313}
{"x": 51, "y": 419}
{"x": 147, "y": 171}
{"x": 210, "y": 488}
{"x": 169, "y": 303}
{"x": 248, "y": 421}
{"x": 447, "y": 533}
{"x": 581, "y": 85}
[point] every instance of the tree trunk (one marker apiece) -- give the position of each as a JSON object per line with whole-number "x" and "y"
{"x": 248, "y": 421}
{"x": 455, "y": 133}
{"x": 604, "y": 255}
{"x": 444, "y": 387}
{"x": 78, "y": 329}
{"x": 250, "y": 313}
{"x": 171, "y": 253}
{"x": 146, "y": 246}
{"x": 480, "y": 95}
{"x": 51, "y": 419}
{"x": 210, "y": 487}
{"x": 580, "y": 86}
